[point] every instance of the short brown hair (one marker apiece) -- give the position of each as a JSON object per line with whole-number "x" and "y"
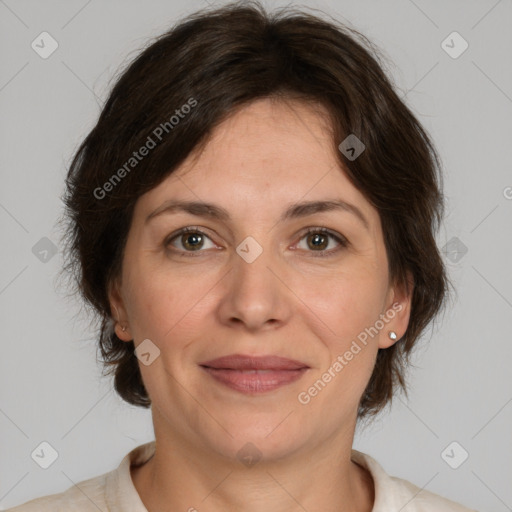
{"x": 223, "y": 59}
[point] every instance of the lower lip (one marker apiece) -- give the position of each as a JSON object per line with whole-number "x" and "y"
{"x": 255, "y": 382}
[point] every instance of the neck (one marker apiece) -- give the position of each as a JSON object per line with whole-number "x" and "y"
{"x": 181, "y": 477}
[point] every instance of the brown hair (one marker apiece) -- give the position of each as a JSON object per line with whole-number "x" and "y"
{"x": 215, "y": 61}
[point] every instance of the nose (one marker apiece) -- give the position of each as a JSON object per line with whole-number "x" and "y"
{"x": 254, "y": 296}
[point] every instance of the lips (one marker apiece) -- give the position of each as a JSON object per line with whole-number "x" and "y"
{"x": 241, "y": 362}
{"x": 254, "y": 374}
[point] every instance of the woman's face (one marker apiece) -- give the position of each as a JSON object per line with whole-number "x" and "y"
{"x": 252, "y": 282}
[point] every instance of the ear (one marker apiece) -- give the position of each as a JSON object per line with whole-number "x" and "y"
{"x": 118, "y": 312}
{"x": 398, "y": 311}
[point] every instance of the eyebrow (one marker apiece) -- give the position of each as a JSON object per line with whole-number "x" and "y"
{"x": 294, "y": 211}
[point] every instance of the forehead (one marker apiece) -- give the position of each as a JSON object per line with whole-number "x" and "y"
{"x": 281, "y": 133}
{"x": 266, "y": 155}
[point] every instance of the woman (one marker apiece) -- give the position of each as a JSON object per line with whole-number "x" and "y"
{"x": 253, "y": 219}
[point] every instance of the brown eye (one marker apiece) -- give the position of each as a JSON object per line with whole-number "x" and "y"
{"x": 190, "y": 240}
{"x": 318, "y": 240}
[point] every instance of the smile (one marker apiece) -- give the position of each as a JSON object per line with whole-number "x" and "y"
{"x": 254, "y": 374}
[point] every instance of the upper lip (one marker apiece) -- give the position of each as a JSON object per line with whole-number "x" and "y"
{"x": 243, "y": 362}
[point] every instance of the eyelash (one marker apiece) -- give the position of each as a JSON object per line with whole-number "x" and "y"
{"x": 342, "y": 241}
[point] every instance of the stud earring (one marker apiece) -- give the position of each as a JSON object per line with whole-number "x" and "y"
{"x": 117, "y": 313}
{"x": 392, "y": 335}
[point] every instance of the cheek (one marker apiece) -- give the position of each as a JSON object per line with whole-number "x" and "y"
{"x": 348, "y": 305}
{"x": 165, "y": 305}
{"x": 347, "y": 302}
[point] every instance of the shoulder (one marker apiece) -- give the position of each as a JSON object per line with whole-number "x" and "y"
{"x": 393, "y": 493}
{"x": 88, "y": 495}
{"x": 416, "y": 499}
{"x": 110, "y": 491}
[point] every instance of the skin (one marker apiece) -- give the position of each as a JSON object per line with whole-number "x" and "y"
{"x": 287, "y": 302}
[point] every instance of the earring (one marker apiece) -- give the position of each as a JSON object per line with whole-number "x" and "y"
{"x": 117, "y": 313}
{"x": 392, "y": 335}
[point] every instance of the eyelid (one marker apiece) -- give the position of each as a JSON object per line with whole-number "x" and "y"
{"x": 182, "y": 231}
{"x": 340, "y": 239}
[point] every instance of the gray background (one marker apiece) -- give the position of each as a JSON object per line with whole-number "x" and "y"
{"x": 50, "y": 385}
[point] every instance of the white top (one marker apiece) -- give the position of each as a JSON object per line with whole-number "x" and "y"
{"x": 115, "y": 492}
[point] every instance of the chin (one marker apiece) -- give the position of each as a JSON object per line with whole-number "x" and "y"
{"x": 268, "y": 438}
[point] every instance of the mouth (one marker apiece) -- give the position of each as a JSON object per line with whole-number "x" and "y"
{"x": 254, "y": 374}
